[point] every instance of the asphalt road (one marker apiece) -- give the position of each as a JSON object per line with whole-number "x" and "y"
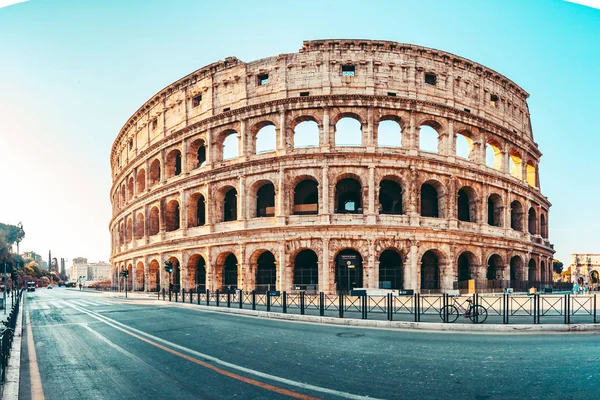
{"x": 85, "y": 345}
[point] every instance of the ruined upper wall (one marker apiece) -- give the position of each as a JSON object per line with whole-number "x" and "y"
{"x": 381, "y": 68}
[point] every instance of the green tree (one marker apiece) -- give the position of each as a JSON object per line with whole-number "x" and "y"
{"x": 557, "y": 266}
{"x": 9, "y": 234}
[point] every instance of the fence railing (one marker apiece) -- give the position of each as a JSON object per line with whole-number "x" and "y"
{"x": 501, "y": 309}
{"x": 7, "y": 334}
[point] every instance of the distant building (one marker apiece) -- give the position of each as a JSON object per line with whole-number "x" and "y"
{"x": 34, "y": 256}
{"x": 585, "y": 269}
{"x": 91, "y": 271}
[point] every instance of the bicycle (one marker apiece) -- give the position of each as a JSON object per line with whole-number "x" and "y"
{"x": 450, "y": 312}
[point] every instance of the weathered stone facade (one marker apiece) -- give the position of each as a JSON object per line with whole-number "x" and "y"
{"x": 402, "y": 216}
{"x": 585, "y": 270}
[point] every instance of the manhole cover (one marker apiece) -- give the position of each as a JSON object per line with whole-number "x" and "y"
{"x": 349, "y": 334}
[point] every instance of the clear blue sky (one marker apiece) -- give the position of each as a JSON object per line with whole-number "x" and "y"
{"x": 72, "y": 72}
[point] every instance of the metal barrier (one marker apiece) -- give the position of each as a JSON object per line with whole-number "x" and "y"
{"x": 7, "y": 334}
{"x": 501, "y": 308}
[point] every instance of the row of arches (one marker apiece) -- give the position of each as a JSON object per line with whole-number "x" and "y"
{"x": 263, "y": 271}
{"x": 429, "y": 134}
{"x": 348, "y": 198}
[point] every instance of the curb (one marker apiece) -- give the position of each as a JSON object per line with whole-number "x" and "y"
{"x": 13, "y": 371}
{"x": 396, "y": 325}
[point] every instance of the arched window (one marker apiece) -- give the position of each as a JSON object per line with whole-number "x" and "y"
{"x": 532, "y": 271}
{"x": 306, "y": 198}
{"x": 197, "y": 273}
{"x": 543, "y": 226}
{"x": 139, "y": 226}
{"x": 516, "y": 169}
{"x": 467, "y": 205}
{"x": 495, "y": 210}
{"x": 464, "y": 145}
{"x": 531, "y": 174}
{"x": 428, "y": 139}
{"x": 430, "y": 271}
{"x": 495, "y": 268}
{"x": 266, "y": 139}
{"x": 516, "y": 216}
{"x": 516, "y": 269}
{"x": 306, "y": 271}
{"x": 197, "y": 210}
{"x": 265, "y": 201}
{"x": 230, "y": 205}
{"x": 176, "y": 275}
{"x": 141, "y": 180}
{"x": 123, "y": 198}
{"x": 429, "y": 201}
{"x": 230, "y": 273}
{"x": 139, "y": 274}
{"x": 532, "y": 221}
{"x": 130, "y": 188}
{"x": 466, "y": 263}
{"x": 390, "y": 197}
{"x": 493, "y": 155}
{"x": 172, "y": 216}
{"x": 230, "y": 146}
{"x": 173, "y": 167}
{"x": 154, "y": 172}
{"x": 306, "y": 134}
{"x": 197, "y": 154}
{"x": 153, "y": 222}
{"x": 390, "y": 270}
{"x": 348, "y": 132}
{"x": 389, "y": 134}
{"x": 266, "y": 272}
{"x": 348, "y": 197}
{"x": 348, "y": 270}
{"x": 129, "y": 229}
{"x": 154, "y": 275}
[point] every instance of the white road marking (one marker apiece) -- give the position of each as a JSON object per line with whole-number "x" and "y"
{"x": 37, "y": 392}
{"x": 126, "y": 328}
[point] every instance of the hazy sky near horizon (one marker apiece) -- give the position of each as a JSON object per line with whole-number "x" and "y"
{"x": 73, "y": 72}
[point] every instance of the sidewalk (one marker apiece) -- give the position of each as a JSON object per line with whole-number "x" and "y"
{"x": 377, "y": 324}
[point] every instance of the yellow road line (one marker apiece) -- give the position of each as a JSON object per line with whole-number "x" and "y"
{"x": 37, "y": 392}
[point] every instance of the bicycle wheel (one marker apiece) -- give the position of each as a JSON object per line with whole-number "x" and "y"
{"x": 478, "y": 314}
{"x": 449, "y": 313}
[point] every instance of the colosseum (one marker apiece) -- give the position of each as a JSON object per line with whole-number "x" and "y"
{"x": 350, "y": 164}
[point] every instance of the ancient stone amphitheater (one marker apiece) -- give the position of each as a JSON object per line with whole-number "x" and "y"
{"x": 352, "y": 163}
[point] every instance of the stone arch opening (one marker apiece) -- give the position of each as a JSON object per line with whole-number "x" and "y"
{"x": 173, "y": 165}
{"x": 197, "y": 154}
{"x": 515, "y": 164}
{"x": 141, "y": 180}
{"x": 430, "y": 270}
{"x": 266, "y": 272}
{"x": 230, "y": 145}
{"x": 123, "y": 198}
{"x": 130, "y": 186}
{"x": 197, "y": 272}
{"x": 175, "y": 276}
{"x": 306, "y": 197}
{"x": 154, "y": 276}
{"x": 348, "y": 132}
{"x": 265, "y": 200}
{"x": 154, "y": 173}
{"x": 531, "y": 174}
{"x": 389, "y": 133}
{"x": 543, "y": 226}
{"x": 516, "y": 269}
{"x": 172, "y": 216}
{"x": 429, "y": 137}
{"x": 464, "y": 145}
{"x": 466, "y": 266}
{"x": 348, "y": 196}
{"x": 129, "y": 229}
{"x": 390, "y": 270}
{"x": 467, "y": 204}
{"x": 306, "y": 271}
{"x": 495, "y": 267}
{"x": 493, "y": 155}
{"x": 306, "y": 134}
{"x": 532, "y": 271}
{"x": 532, "y": 221}
{"x": 431, "y": 206}
{"x": 266, "y": 138}
{"x": 516, "y": 215}
{"x": 153, "y": 221}
{"x": 139, "y": 226}
{"x": 140, "y": 282}
{"x": 348, "y": 270}
{"x": 197, "y": 210}
{"x": 230, "y": 272}
{"x": 230, "y": 205}
{"x": 495, "y": 210}
{"x": 390, "y": 197}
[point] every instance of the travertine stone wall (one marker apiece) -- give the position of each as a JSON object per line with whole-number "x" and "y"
{"x": 158, "y": 179}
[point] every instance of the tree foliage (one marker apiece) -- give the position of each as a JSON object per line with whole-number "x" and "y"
{"x": 9, "y": 234}
{"x": 557, "y": 266}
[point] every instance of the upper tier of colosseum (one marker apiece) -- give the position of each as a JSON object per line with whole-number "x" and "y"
{"x": 328, "y": 68}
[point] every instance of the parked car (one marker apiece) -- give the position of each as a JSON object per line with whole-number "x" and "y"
{"x": 31, "y": 286}
{"x": 49, "y": 287}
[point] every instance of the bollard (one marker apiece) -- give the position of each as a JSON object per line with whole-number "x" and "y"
{"x": 183, "y": 295}
{"x": 284, "y": 303}
{"x": 253, "y": 300}
{"x": 341, "y": 305}
{"x": 321, "y": 304}
{"x": 163, "y": 290}
{"x": 198, "y": 293}
{"x": 229, "y": 299}
{"x": 302, "y": 303}
{"x": 364, "y": 306}
{"x": 176, "y": 294}
{"x": 390, "y": 306}
{"x": 207, "y": 297}
{"x": 217, "y": 297}
{"x": 169, "y": 295}
{"x": 241, "y": 293}
{"x": 268, "y": 301}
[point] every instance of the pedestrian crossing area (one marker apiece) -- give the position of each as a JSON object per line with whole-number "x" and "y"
{"x": 48, "y": 304}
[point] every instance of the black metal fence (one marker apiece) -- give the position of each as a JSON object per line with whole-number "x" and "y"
{"x": 7, "y": 334}
{"x": 502, "y": 308}
{"x": 496, "y": 285}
